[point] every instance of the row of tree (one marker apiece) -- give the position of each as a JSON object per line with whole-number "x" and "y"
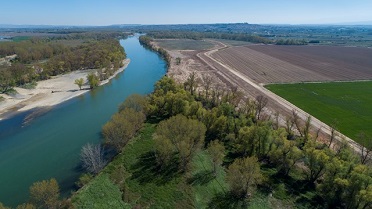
{"x": 212, "y": 35}
{"x": 146, "y": 42}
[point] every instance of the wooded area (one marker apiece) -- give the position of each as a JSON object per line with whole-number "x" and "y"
{"x": 259, "y": 157}
{"x": 39, "y": 59}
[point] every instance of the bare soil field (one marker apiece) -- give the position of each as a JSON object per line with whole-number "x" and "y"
{"x": 292, "y": 64}
{"x": 232, "y": 71}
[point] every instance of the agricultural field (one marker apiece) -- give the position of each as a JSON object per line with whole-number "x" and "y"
{"x": 232, "y": 42}
{"x": 345, "y": 104}
{"x": 184, "y": 44}
{"x": 293, "y": 64}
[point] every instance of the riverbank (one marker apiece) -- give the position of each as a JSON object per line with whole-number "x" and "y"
{"x": 49, "y": 92}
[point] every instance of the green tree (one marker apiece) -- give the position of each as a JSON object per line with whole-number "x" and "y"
{"x": 359, "y": 190}
{"x": 253, "y": 140}
{"x": 217, "y": 152}
{"x": 122, "y": 127}
{"x": 243, "y": 175}
{"x": 79, "y": 82}
{"x": 45, "y": 194}
{"x": 179, "y": 135}
{"x": 191, "y": 83}
{"x": 316, "y": 161}
{"x": 137, "y": 102}
{"x": 284, "y": 153}
{"x": 93, "y": 80}
{"x": 6, "y": 81}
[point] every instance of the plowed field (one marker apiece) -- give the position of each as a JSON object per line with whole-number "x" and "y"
{"x": 292, "y": 64}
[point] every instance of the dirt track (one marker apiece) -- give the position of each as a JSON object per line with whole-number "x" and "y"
{"x": 276, "y": 102}
{"x": 205, "y": 62}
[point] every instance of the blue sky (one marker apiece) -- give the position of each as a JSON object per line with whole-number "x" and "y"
{"x": 107, "y": 12}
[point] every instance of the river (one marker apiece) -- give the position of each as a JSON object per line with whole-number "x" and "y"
{"x": 49, "y": 146}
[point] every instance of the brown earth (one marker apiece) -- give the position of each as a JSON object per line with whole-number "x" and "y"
{"x": 293, "y": 64}
{"x": 249, "y": 69}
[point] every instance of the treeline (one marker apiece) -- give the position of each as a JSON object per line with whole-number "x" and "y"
{"x": 39, "y": 59}
{"x": 93, "y": 55}
{"x": 30, "y": 51}
{"x": 291, "y": 42}
{"x": 84, "y": 35}
{"x": 255, "y": 152}
{"x": 146, "y": 42}
{"x": 203, "y": 35}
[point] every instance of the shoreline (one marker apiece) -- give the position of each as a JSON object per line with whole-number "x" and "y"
{"x": 49, "y": 93}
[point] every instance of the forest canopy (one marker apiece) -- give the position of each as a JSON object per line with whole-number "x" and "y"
{"x": 39, "y": 58}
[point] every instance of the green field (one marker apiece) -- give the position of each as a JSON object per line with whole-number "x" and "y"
{"x": 347, "y": 103}
{"x": 184, "y": 44}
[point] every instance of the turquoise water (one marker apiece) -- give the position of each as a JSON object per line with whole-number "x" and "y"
{"x": 50, "y": 145}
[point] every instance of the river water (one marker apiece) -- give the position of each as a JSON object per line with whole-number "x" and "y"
{"x": 49, "y": 146}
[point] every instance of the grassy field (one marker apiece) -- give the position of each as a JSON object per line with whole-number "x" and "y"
{"x": 184, "y": 44}
{"x": 347, "y": 104}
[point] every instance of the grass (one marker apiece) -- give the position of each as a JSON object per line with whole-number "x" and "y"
{"x": 346, "y": 104}
{"x": 143, "y": 184}
{"x": 100, "y": 193}
{"x": 184, "y": 44}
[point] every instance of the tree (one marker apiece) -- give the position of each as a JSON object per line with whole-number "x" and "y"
{"x": 79, "y": 82}
{"x": 243, "y": 175}
{"x": 334, "y": 130}
{"x": 179, "y": 135}
{"x": 134, "y": 117}
{"x": 316, "y": 161}
{"x": 261, "y": 102}
{"x": 93, "y": 80}
{"x": 45, "y": 194}
{"x": 136, "y": 102}
{"x": 365, "y": 147}
{"x": 92, "y": 157}
{"x": 253, "y": 140}
{"x": 359, "y": 190}
{"x": 122, "y": 127}
{"x": 118, "y": 131}
{"x": 191, "y": 83}
{"x": 217, "y": 152}
{"x": 207, "y": 84}
{"x": 6, "y": 81}
{"x": 178, "y": 61}
{"x": 284, "y": 153}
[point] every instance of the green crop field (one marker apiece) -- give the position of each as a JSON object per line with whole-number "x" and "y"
{"x": 347, "y": 104}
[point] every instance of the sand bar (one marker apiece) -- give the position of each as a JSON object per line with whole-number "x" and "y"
{"x": 49, "y": 92}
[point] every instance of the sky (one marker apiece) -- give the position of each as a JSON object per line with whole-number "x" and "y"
{"x": 109, "y": 12}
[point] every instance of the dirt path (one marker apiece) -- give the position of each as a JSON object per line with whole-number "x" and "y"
{"x": 276, "y": 102}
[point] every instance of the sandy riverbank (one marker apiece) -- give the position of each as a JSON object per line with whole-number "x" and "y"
{"x": 62, "y": 86}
